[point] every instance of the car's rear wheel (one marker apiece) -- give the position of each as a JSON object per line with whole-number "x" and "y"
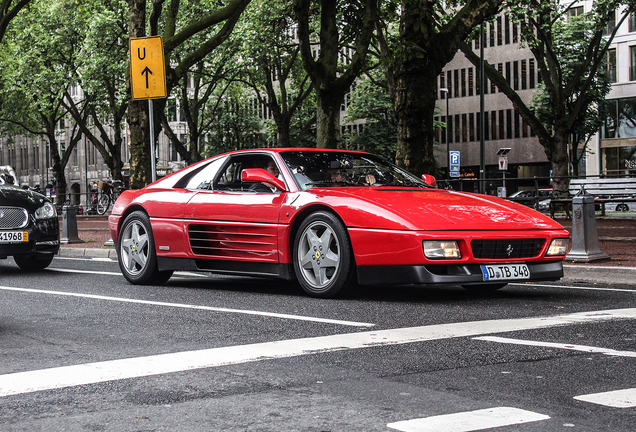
{"x": 136, "y": 251}
{"x": 323, "y": 260}
{"x": 622, "y": 208}
{"x": 484, "y": 288}
{"x": 33, "y": 262}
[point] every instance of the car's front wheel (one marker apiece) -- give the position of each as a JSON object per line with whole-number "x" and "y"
{"x": 622, "y": 207}
{"x": 136, "y": 251}
{"x": 323, "y": 259}
{"x": 33, "y": 262}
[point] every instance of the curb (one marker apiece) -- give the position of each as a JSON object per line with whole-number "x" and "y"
{"x": 87, "y": 253}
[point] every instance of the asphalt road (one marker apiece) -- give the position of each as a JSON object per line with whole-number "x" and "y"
{"x": 81, "y": 349}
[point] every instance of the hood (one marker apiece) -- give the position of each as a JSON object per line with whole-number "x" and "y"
{"x": 438, "y": 209}
{"x": 18, "y": 197}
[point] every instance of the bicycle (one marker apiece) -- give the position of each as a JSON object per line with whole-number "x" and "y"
{"x": 106, "y": 194}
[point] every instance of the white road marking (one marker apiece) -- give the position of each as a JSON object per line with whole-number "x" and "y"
{"x": 66, "y": 376}
{"x": 469, "y": 421}
{"x": 196, "y": 307}
{"x": 572, "y": 347}
{"x": 616, "y": 399}
{"x": 573, "y": 287}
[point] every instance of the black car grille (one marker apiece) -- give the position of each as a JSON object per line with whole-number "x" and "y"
{"x": 13, "y": 217}
{"x": 506, "y": 248}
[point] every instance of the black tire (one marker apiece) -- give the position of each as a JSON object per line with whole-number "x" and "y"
{"x": 484, "y": 288}
{"x": 136, "y": 252}
{"x": 103, "y": 202}
{"x": 622, "y": 208}
{"x": 322, "y": 255}
{"x": 33, "y": 262}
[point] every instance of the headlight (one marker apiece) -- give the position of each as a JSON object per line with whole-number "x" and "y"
{"x": 47, "y": 211}
{"x": 558, "y": 247}
{"x": 448, "y": 249}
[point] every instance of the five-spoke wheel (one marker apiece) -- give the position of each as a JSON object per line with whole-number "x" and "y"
{"x": 136, "y": 251}
{"x": 323, "y": 260}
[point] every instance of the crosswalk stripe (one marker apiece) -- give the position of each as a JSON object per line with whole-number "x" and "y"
{"x": 469, "y": 421}
{"x": 625, "y": 398}
{"x": 572, "y": 347}
{"x": 66, "y": 376}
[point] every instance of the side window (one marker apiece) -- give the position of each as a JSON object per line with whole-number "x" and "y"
{"x": 203, "y": 179}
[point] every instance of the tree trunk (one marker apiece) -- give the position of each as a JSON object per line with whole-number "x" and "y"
{"x": 414, "y": 110}
{"x": 328, "y": 119}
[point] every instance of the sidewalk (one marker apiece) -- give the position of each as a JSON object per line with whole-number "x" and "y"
{"x": 616, "y": 238}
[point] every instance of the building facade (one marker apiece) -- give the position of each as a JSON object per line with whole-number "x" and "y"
{"x": 610, "y": 152}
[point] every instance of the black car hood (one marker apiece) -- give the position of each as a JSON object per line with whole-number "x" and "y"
{"x": 17, "y": 197}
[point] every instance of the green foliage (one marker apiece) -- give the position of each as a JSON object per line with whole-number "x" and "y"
{"x": 372, "y": 102}
{"x": 235, "y": 124}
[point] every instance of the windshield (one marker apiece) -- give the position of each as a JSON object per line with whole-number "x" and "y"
{"x": 324, "y": 168}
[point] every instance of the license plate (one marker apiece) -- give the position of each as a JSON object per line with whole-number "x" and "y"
{"x": 493, "y": 272}
{"x": 14, "y": 236}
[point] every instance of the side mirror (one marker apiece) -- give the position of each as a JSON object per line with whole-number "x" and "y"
{"x": 429, "y": 180}
{"x": 254, "y": 175}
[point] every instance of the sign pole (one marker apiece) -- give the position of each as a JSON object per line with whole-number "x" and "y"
{"x": 148, "y": 81}
{"x": 153, "y": 163}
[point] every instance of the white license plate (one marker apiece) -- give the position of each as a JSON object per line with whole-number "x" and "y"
{"x": 493, "y": 272}
{"x": 14, "y": 236}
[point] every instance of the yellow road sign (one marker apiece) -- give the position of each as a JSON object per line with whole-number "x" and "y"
{"x": 147, "y": 68}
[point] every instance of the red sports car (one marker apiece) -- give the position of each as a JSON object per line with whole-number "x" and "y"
{"x": 329, "y": 219}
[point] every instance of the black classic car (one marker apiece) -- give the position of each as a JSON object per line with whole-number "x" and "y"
{"x": 29, "y": 227}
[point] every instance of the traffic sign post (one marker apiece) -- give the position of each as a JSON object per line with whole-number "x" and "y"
{"x": 147, "y": 68}
{"x": 148, "y": 80}
{"x": 454, "y": 158}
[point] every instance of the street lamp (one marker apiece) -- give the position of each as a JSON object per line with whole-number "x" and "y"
{"x": 445, "y": 90}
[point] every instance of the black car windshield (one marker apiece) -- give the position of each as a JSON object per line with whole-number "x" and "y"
{"x": 324, "y": 168}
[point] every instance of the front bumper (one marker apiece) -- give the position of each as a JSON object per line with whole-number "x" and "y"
{"x": 449, "y": 274}
{"x": 44, "y": 238}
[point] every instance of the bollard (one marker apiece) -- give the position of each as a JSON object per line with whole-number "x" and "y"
{"x": 69, "y": 226}
{"x": 584, "y": 234}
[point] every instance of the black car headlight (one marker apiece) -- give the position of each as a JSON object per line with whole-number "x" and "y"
{"x": 47, "y": 211}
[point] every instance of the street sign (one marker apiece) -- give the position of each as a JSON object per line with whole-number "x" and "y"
{"x": 454, "y": 162}
{"x": 147, "y": 68}
{"x": 503, "y": 163}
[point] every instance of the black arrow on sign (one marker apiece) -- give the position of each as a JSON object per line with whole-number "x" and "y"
{"x": 147, "y": 72}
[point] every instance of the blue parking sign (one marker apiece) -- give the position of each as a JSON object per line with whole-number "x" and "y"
{"x": 454, "y": 160}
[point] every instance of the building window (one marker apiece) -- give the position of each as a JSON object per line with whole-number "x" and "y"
{"x": 509, "y": 124}
{"x": 507, "y": 30}
{"x": 502, "y": 124}
{"x": 632, "y": 63}
{"x": 515, "y": 75}
{"x": 531, "y": 73}
{"x": 442, "y": 84}
{"x": 470, "y": 81}
{"x": 517, "y": 124}
{"x": 449, "y": 86}
{"x": 492, "y": 34}
{"x": 499, "y": 31}
{"x": 463, "y": 73}
{"x": 524, "y": 75}
{"x": 611, "y": 25}
{"x": 611, "y": 65}
{"x": 471, "y": 127}
{"x": 456, "y": 73}
{"x": 575, "y": 11}
{"x": 458, "y": 129}
{"x": 508, "y": 73}
{"x": 464, "y": 128}
{"x": 632, "y": 22}
{"x": 515, "y": 33}
{"x": 493, "y": 124}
